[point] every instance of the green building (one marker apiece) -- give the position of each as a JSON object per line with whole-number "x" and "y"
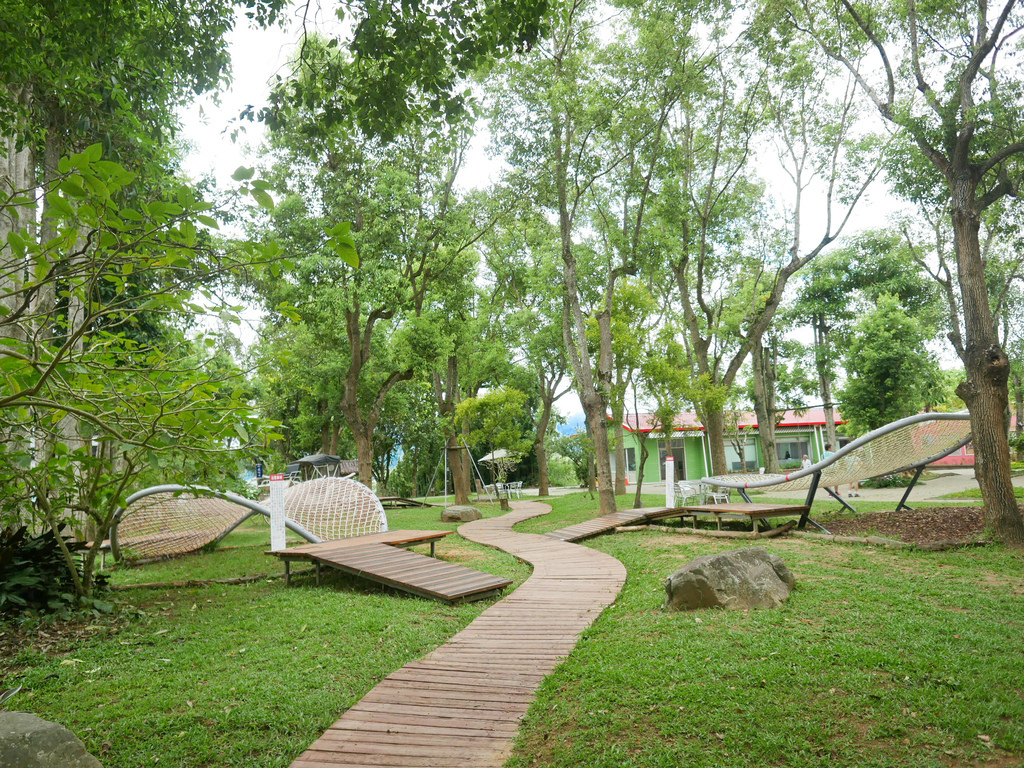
{"x": 799, "y": 433}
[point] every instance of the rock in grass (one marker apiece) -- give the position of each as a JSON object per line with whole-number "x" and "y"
{"x": 27, "y": 741}
{"x": 458, "y": 514}
{"x": 741, "y": 579}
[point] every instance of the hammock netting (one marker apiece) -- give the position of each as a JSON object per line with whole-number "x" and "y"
{"x": 335, "y": 508}
{"x": 897, "y": 447}
{"x": 173, "y": 522}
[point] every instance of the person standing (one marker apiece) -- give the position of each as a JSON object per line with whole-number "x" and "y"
{"x": 828, "y": 452}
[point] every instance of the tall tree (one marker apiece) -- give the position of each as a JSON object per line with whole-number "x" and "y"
{"x": 524, "y": 264}
{"x": 888, "y": 369}
{"x": 548, "y": 114}
{"x": 585, "y": 125}
{"x": 733, "y": 263}
{"x": 934, "y": 73}
{"x": 409, "y": 231}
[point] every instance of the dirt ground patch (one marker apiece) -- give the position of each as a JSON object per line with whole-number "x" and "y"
{"x": 920, "y": 526}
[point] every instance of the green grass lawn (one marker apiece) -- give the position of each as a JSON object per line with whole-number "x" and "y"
{"x": 880, "y": 658}
{"x": 975, "y": 493}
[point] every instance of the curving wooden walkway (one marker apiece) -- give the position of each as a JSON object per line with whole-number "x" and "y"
{"x": 459, "y": 706}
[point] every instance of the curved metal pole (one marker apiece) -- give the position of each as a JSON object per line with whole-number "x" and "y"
{"x": 852, "y": 446}
{"x": 252, "y": 506}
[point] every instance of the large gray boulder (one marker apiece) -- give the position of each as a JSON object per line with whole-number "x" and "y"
{"x": 741, "y": 579}
{"x": 27, "y": 741}
{"x": 457, "y": 514}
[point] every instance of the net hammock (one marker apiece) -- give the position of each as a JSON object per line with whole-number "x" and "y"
{"x": 898, "y": 447}
{"x": 174, "y": 520}
{"x": 168, "y": 523}
{"x": 335, "y": 508}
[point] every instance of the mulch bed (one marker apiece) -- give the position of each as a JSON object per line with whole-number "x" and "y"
{"x": 920, "y": 526}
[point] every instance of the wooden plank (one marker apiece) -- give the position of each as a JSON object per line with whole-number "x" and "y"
{"x": 598, "y": 525}
{"x": 382, "y": 562}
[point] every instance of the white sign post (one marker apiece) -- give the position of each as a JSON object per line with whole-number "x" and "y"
{"x": 277, "y": 484}
{"x": 670, "y": 482}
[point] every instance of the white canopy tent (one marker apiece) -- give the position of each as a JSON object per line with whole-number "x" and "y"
{"x": 501, "y": 453}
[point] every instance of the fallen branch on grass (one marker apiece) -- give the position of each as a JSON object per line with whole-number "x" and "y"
{"x": 877, "y": 540}
{"x": 206, "y": 582}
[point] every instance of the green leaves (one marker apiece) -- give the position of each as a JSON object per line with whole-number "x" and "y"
{"x": 256, "y": 188}
{"x": 341, "y": 242}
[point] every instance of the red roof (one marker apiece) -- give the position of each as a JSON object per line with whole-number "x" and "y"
{"x": 811, "y": 417}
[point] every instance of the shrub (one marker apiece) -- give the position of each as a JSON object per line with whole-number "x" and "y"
{"x": 561, "y": 471}
{"x": 34, "y": 576}
{"x": 888, "y": 481}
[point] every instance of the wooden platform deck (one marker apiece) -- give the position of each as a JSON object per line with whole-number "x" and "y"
{"x": 379, "y": 557}
{"x": 753, "y": 512}
{"x": 460, "y": 705}
{"x": 395, "y": 502}
{"x": 756, "y": 513}
{"x": 603, "y": 524}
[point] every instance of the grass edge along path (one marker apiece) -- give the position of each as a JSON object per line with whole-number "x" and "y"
{"x": 461, "y": 704}
{"x": 880, "y": 658}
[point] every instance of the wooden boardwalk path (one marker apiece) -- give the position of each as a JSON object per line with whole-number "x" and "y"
{"x": 459, "y": 706}
{"x": 603, "y": 524}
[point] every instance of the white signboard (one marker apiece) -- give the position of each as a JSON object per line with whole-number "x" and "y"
{"x": 670, "y": 482}
{"x": 277, "y": 485}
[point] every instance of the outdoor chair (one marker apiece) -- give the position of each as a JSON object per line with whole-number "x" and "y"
{"x": 714, "y": 494}
{"x": 686, "y": 493}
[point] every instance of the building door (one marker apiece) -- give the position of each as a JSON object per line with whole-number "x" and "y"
{"x": 678, "y": 454}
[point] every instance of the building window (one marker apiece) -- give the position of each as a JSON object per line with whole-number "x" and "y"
{"x": 631, "y": 459}
{"x": 733, "y": 461}
{"x": 791, "y": 452}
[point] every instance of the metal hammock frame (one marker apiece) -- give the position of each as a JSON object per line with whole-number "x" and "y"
{"x": 169, "y": 520}
{"x": 908, "y": 444}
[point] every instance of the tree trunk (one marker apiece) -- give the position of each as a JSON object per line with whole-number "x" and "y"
{"x": 446, "y": 392}
{"x": 364, "y": 452}
{"x": 618, "y": 434}
{"x": 825, "y": 380}
{"x": 598, "y": 417}
{"x": 1018, "y": 390}
{"x": 17, "y": 176}
{"x": 574, "y": 330}
{"x": 465, "y": 466}
{"x": 335, "y": 434}
{"x": 538, "y": 446}
{"x": 764, "y": 406}
{"x": 988, "y": 370}
{"x": 637, "y": 503}
{"x": 714, "y": 423}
